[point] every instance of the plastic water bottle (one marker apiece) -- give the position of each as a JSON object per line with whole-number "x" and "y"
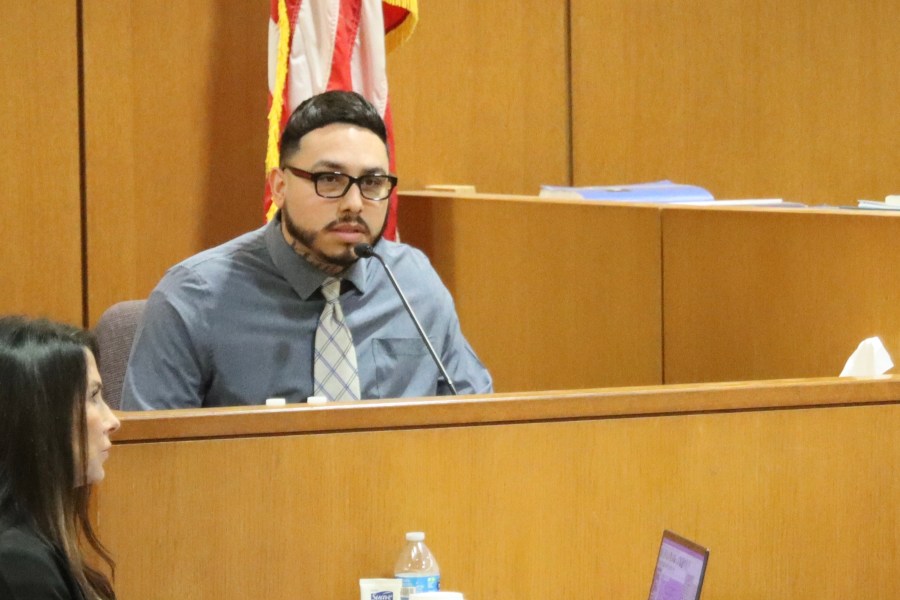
{"x": 417, "y": 567}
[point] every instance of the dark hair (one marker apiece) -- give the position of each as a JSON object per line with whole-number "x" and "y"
{"x": 43, "y": 378}
{"x": 324, "y": 109}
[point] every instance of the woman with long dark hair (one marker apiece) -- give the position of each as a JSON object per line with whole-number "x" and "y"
{"x": 54, "y": 438}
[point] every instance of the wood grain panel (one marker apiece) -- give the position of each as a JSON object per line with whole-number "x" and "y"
{"x": 793, "y": 503}
{"x": 749, "y": 99}
{"x": 552, "y": 295}
{"x": 175, "y": 122}
{"x": 768, "y": 294}
{"x": 479, "y": 95}
{"x": 493, "y": 409}
{"x": 40, "y": 205}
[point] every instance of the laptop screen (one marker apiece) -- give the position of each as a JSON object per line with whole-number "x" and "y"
{"x": 680, "y": 567}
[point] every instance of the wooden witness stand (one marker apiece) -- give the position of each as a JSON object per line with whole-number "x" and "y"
{"x": 573, "y": 294}
{"x": 792, "y": 484}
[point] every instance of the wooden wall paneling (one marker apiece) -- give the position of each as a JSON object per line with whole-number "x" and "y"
{"x": 40, "y": 202}
{"x": 551, "y": 295}
{"x": 769, "y": 294}
{"x": 793, "y": 503}
{"x": 175, "y": 99}
{"x": 479, "y": 95}
{"x": 748, "y": 99}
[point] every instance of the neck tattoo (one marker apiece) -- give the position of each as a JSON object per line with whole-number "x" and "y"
{"x": 315, "y": 261}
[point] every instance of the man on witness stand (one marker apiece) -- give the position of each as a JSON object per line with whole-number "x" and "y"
{"x": 289, "y": 310}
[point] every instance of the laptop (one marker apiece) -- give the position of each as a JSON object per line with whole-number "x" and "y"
{"x": 680, "y": 567}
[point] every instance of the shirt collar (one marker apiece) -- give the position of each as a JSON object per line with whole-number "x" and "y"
{"x": 304, "y": 278}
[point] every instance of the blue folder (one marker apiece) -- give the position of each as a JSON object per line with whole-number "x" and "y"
{"x": 658, "y": 191}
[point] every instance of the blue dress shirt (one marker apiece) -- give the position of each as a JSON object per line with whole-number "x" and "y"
{"x": 236, "y": 325}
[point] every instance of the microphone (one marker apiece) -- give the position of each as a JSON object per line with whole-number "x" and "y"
{"x": 366, "y": 251}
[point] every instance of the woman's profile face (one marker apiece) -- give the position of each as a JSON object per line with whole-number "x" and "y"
{"x": 100, "y": 422}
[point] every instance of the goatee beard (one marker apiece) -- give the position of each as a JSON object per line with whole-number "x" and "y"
{"x": 305, "y": 239}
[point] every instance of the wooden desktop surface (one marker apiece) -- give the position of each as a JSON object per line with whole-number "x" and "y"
{"x": 792, "y": 484}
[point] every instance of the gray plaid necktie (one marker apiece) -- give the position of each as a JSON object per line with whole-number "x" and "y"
{"x": 334, "y": 368}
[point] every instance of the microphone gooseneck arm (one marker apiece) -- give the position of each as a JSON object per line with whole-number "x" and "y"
{"x": 366, "y": 251}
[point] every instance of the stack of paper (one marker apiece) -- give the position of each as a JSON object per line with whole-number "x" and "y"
{"x": 890, "y": 203}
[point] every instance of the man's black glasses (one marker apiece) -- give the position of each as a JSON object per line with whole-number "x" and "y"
{"x": 336, "y": 184}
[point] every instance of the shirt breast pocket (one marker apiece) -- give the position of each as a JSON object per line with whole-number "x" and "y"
{"x": 403, "y": 368}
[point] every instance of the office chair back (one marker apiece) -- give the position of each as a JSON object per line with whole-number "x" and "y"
{"x": 115, "y": 332}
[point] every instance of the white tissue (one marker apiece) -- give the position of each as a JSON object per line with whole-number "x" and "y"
{"x": 869, "y": 359}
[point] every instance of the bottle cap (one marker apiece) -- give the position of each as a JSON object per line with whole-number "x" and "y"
{"x": 415, "y": 536}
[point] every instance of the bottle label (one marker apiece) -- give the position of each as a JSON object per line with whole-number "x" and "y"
{"x": 425, "y": 583}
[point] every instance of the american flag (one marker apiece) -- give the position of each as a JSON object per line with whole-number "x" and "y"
{"x": 321, "y": 45}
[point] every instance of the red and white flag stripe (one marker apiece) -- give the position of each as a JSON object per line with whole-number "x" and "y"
{"x": 321, "y": 45}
